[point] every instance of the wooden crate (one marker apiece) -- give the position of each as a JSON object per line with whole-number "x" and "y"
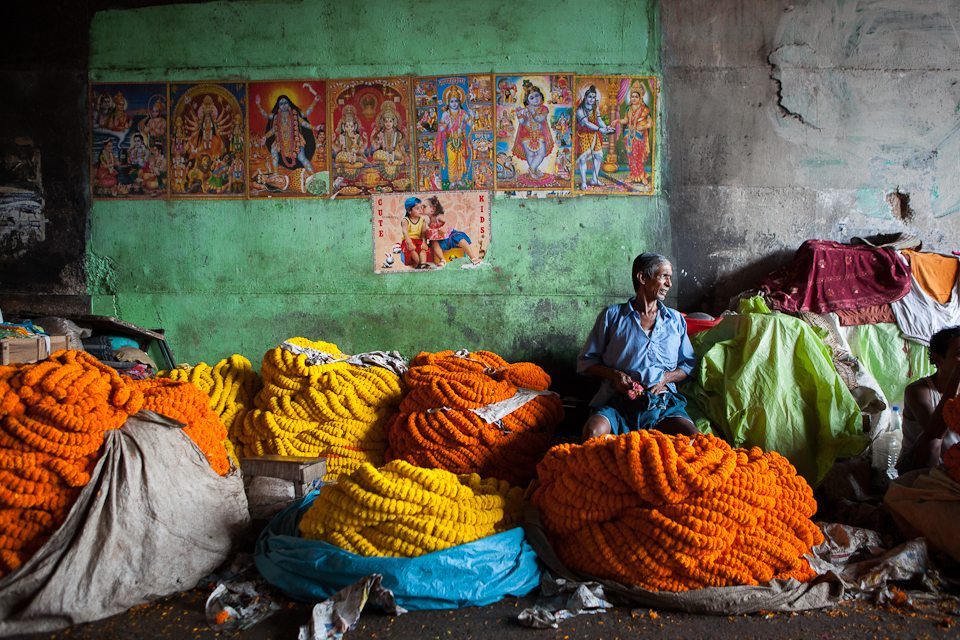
{"x": 300, "y": 471}
{"x": 21, "y": 350}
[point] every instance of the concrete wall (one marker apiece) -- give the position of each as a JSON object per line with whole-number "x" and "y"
{"x": 239, "y": 276}
{"x": 796, "y": 120}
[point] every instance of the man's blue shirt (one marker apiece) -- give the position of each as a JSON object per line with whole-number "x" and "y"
{"x": 618, "y": 341}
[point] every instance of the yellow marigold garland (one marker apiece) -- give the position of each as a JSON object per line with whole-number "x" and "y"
{"x": 673, "y": 513}
{"x": 231, "y": 384}
{"x": 338, "y": 410}
{"x": 436, "y": 427}
{"x": 402, "y": 510}
{"x": 53, "y": 417}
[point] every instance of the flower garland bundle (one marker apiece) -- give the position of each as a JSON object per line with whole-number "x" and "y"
{"x": 53, "y": 417}
{"x": 232, "y": 385}
{"x": 437, "y": 427}
{"x": 671, "y": 513}
{"x": 186, "y": 403}
{"x": 951, "y": 457}
{"x": 405, "y": 511}
{"x": 335, "y": 409}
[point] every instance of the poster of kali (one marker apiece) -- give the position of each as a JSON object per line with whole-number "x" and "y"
{"x": 287, "y": 153}
{"x": 534, "y": 132}
{"x": 454, "y": 132}
{"x": 128, "y": 151}
{"x": 207, "y": 140}
{"x": 614, "y": 127}
{"x": 429, "y": 231}
{"x": 370, "y": 136}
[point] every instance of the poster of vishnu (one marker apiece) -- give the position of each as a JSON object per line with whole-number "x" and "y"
{"x": 614, "y": 127}
{"x": 370, "y": 136}
{"x": 454, "y": 132}
{"x": 287, "y": 153}
{"x": 534, "y": 132}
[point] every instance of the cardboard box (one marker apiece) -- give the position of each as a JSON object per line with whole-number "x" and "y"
{"x": 17, "y": 350}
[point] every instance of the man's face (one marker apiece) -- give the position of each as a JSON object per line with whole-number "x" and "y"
{"x": 659, "y": 285}
{"x": 951, "y": 359}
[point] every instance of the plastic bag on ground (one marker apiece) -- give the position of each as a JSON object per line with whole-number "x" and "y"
{"x": 473, "y": 574}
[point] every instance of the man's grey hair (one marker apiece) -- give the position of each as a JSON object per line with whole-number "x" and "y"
{"x": 647, "y": 264}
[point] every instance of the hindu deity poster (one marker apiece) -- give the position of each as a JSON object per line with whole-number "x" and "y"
{"x": 370, "y": 136}
{"x": 534, "y": 132}
{"x": 286, "y": 149}
{"x": 128, "y": 150}
{"x": 430, "y": 231}
{"x": 454, "y": 132}
{"x": 207, "y": 140}
{"x": 614, "y": 125}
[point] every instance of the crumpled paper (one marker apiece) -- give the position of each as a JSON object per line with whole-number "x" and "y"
{"x": 338, "y": 614}
{"x": 562, "y": 599}
{"x": 240, "y": 600}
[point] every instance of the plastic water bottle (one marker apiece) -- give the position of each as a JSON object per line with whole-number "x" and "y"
{"x": 886, "y": 448}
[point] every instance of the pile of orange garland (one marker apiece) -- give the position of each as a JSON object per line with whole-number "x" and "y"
{"x": 951, "y": 458}
{"x": 674, "y": 513}
{"x": 437, "y": 426}
{"x": 53, "y": 418}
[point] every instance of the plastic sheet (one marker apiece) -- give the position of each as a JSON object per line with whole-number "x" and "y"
{"x": 766, "y": 379}
{"x": 473, "y": 574}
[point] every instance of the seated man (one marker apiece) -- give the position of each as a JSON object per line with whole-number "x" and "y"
{"x": 925, "y": 435}
{"x": 639, "y": 342}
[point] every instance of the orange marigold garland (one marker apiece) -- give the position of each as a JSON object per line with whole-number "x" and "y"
{"x": 673, "y": 513}
{"x": 314, "y": 402}
{"x": 53, "y": 417}
{"x": 437, "y": 426}
{"x": 185, "y": 403}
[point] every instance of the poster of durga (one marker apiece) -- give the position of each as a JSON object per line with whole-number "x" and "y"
{"x": 534, "y": 126}
{"x": 207, "y": 140}
{"x": 369, "y": 136}
{"x": 614, "y": 126}
{"x": 287, "y": 152}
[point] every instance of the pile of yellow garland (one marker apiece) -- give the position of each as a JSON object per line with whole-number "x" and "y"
{"x": 406, "y": 511}
{"x": 438, "y": 427}
{"x": 673, "y": 513}
{"x": 231, "y": 384}
{"x": 338, "y": 410}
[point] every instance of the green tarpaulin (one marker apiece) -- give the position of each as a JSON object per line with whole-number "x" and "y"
{"x": 766, "y": 379}
{"x": 890, "y": 358}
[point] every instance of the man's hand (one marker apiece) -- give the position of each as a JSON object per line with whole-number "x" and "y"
{"x": 658, "y": 388}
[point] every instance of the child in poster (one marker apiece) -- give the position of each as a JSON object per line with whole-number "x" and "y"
{"x": 429, "y": 231}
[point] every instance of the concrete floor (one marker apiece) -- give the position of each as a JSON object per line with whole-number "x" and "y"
{"x": 182, "y": 616}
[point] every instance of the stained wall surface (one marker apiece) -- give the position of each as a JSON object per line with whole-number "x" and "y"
{"x": 240, "y": 276}
{"x": 797, "y": 120}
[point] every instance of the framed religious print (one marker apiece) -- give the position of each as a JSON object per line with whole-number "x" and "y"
{"x": 454, "y": 132}
{"x": 428, "y": 231}
{"x": 370, "y": 140}
{"x": 286, "y": 139}
{"x": 534, "y": 132}
{"x": 128, "y": 141}
{"x": 614, "y": 129}
{"x": 207, "y": 140}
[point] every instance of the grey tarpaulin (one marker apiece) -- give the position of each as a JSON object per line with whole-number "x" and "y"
{"x": 153, "y": 520}
{"x": 778, "y": 595}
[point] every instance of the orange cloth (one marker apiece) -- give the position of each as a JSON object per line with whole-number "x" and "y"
{"x": 936, "y": 274}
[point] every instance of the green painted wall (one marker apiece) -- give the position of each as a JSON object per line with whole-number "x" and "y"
{"x": 240, "y": 276}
